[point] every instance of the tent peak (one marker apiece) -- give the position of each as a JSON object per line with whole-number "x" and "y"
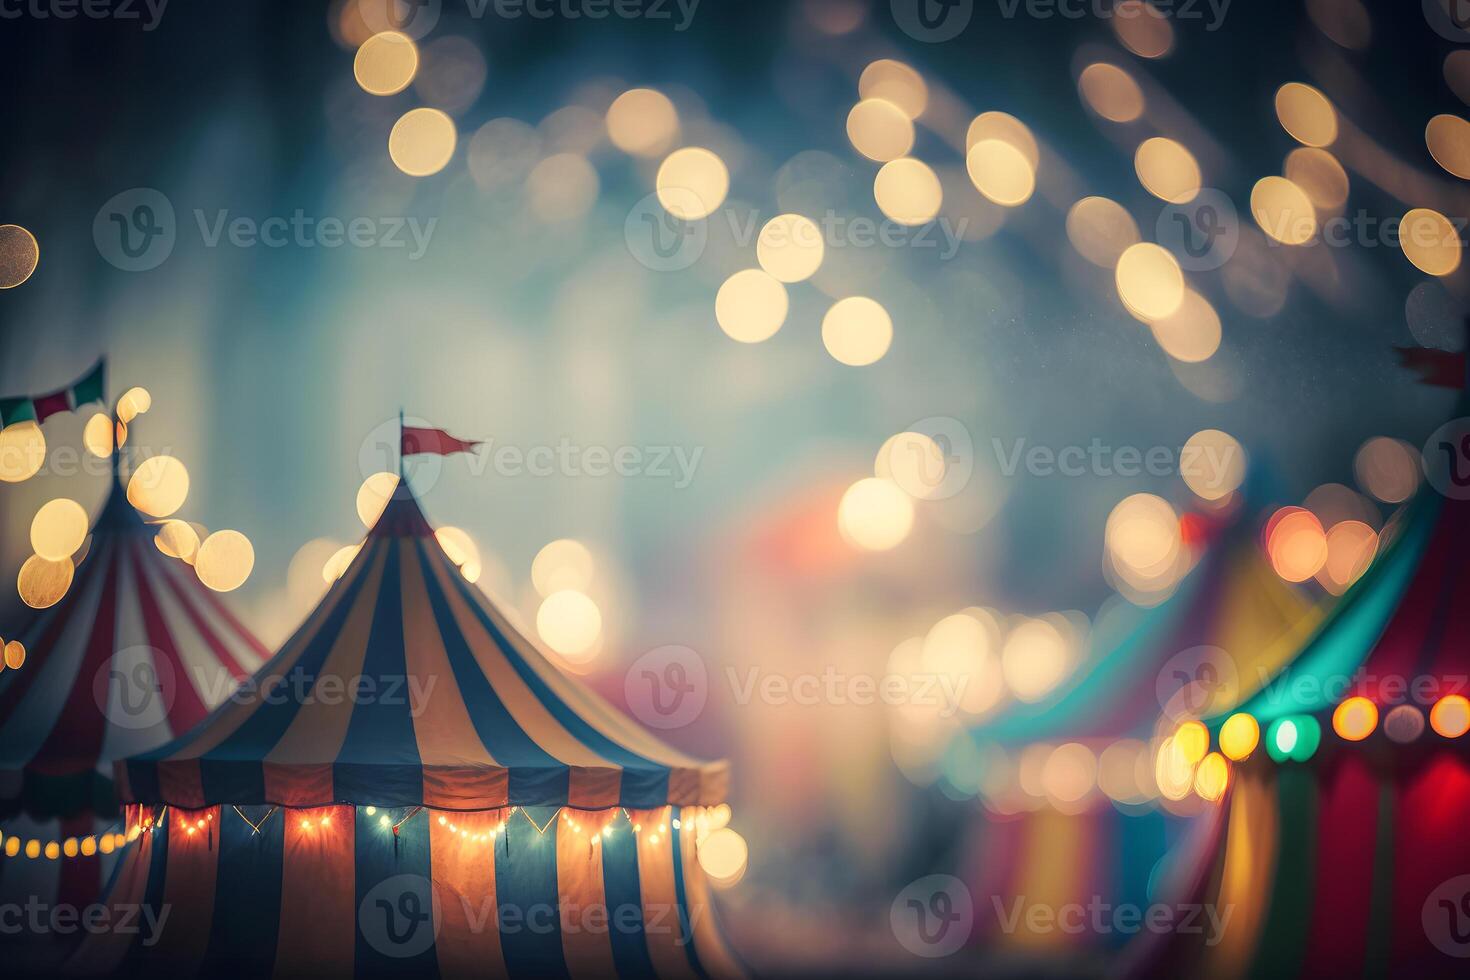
{"x": 403, "y": 517}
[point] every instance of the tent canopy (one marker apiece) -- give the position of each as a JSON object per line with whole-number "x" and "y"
{"x": 137, "y": 652}
{"x": 406, "y": 686}
{"x": 1407, "y": 618}
{"x": 1232, "y": 601}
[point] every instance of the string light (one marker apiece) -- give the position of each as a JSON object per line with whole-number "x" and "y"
{"x": 1239, "y": 736}
{"x": 1450, "y": 716}
{"x": 1193, "y": 741}
{"x": 1355, "y": 719}
{"x": 1212, "y": 777}
{"x": 107, "y": 843}
{"x": 70, "y": 847}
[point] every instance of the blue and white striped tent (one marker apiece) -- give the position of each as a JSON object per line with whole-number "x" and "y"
{"x": 410, "y": 785}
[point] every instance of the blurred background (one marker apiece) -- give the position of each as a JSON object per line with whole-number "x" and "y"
{"x": 1065, "y": 282}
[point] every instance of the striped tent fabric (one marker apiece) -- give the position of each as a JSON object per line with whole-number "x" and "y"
{"x": 410, "y": 785}
{"x": 1355, "y": 861}
{"x": 406, "y": 686}
{"x": 1233, "y": 601}
{"x": 1052, "y": 860}
{"x": 136, "y": 653}
{"x": 1353, "y": 864}
{"x": 334, "y": 890}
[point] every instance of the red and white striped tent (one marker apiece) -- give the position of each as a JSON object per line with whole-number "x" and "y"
{"x": 136, "y": 653}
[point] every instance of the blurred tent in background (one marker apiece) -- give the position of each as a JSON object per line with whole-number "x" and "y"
{"x": 130, "y": 650}
{"x": 1340, "y": 842}
{"x": 1072, "y": 811}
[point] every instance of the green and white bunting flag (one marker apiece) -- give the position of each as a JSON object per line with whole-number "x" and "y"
{"x": 39, "y": 408}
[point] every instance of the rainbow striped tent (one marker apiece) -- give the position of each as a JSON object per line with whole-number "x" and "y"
{"x": 135, "y": 653}
{"x": 1231, "y": 623}
{"x": 1232, "y": 602}
{"x": 410, "y": 785}
{"x": 1341, "y": 845}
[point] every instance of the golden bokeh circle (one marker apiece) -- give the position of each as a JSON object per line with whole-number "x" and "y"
{"x": 1150, "y": 282}
{"x": 1430, "y": 242}
{"x": 19, "y": 255}
{"x": 908, "y": 191}
{"x": 692, "y": 182}
{"x": 422, "y": 142}
{"x": 857, "y": 331}
{"x": 385, "y": 63}
{"x": 43, "y": 583}
{"x": 58, "y": 529}
{"x": 225, "y": 560}
{"x": 751, "y": 306}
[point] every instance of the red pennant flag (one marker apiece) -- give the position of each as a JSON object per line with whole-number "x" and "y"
{"x": 435, "y": 441}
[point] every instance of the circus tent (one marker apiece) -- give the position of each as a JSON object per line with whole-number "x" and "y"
{"x": 135, "y": 653}
{"x": 410, "y": 783}
{"x": 1340, "y": 840}
{"x": 1231, "y": 603}
{"x": 1232, "y": 622}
